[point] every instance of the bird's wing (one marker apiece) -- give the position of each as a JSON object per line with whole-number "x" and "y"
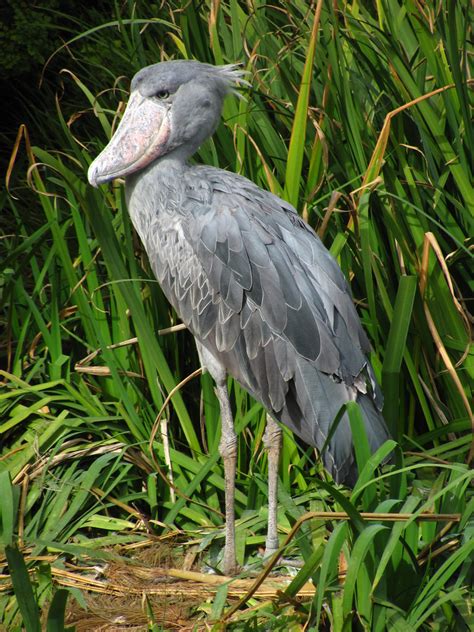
{"x": 267, "y": 266}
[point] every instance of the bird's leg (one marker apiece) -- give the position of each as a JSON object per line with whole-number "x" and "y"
{"x": 228, "y": 452}
{"x": 272, "y": 443}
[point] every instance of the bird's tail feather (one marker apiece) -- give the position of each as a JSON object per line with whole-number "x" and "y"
{"x": 376, "y": 432}
{"x": 319, "y": 398}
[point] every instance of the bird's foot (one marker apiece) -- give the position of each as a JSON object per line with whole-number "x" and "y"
{"x": 269, "y": 551}
{"x": 231, "y": 568}
{"x": 229, "y": 565}
{"x": 271, "y": 546}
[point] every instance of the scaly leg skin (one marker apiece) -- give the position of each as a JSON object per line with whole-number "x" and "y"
{"x": 272, "y": 443}
{"x": 228, "y": 452}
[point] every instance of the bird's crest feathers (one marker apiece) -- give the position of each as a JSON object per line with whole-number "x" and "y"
{"x": 234, "y": 75}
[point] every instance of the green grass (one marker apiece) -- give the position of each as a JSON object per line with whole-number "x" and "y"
{"x": 76, "y": 470}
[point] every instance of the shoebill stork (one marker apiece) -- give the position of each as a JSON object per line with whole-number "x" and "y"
{"x": 264, "y": 299}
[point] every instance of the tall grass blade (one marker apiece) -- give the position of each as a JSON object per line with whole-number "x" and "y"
{"x": 23, "y": 589}
{"x": 57, "y": 611}
{"x": 363, "y": 547}
{"x": 8, "y": 508}
{"x": 396, "y": 344}
{"x": 329, "y": 565}
{"x": 298, "y": 133}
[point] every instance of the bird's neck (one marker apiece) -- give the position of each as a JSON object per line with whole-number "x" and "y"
{"x": 163, "y": 173}
{"x": 154, "y": 194}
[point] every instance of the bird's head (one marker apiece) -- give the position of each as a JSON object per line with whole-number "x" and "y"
{"x": 173, "y": 107}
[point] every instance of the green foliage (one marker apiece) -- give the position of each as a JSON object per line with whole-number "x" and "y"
{"x": 24, "y": 37}
{"x": 393, "y": 203}
{"x": 23, "y": 589}
{"x": 28, "y": 601}
{"x": 29, "y": 595}
{"x": 30, "y": 32}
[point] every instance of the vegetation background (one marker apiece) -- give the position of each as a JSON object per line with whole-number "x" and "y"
{"x": 360, "y": 114}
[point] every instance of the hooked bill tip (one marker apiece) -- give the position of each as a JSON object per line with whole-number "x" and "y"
{"x": 96, "y": 174}
{"x": 93, "y": 175}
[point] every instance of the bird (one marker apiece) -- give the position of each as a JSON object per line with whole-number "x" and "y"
{"x": 264, "y": 299}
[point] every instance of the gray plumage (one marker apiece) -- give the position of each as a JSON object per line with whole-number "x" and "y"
{"x": 248, "y": 277}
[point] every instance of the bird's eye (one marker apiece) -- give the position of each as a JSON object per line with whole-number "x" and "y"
{"x": 162, "y": 94}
